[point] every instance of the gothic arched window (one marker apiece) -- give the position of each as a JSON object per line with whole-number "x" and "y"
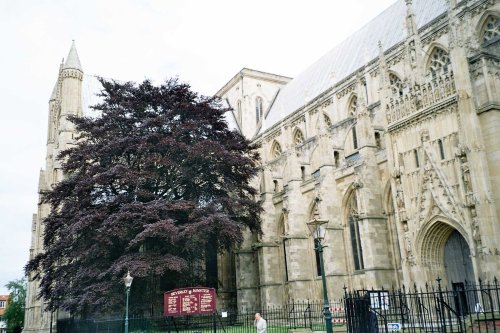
{"x": 353, "y": 106}
{"x": 491, "y": 29}
{"x": 353, "y": 223}
{"x": 396, "y": 84}
{"x": 336, "y": 158}
{"x": 439, "y": 61}
{"x": 258, "y": 109}
{"x": 327, "y": 120}
{"x": 298, "y": 137}
{"x": 276, "y": 150}
{"x": 378, "y": 140}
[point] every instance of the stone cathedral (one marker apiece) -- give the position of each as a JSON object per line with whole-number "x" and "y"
{"x": 392, "y": 136}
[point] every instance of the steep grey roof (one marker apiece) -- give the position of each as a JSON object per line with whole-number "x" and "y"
{"x": 73, "y": 61}
{"x": 351, "y": 54}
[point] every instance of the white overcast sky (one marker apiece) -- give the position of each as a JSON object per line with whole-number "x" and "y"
{"x": 205, "y": 43}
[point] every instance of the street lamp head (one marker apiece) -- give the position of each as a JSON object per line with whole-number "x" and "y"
{"x": 128, "y": 280}
{"x": 317, "y": 226}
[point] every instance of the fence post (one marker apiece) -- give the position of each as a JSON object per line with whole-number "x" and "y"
{"x": 214, "y": 318}
{"x": 310, "y": 314}
{"x": 441, "y": 303}
{"x": 346, "y": 310}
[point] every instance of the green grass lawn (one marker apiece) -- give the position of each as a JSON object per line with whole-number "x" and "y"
{"x": 244, "y": 329}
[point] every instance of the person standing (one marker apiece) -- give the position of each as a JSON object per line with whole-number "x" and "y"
{"x": 260, "y": 323}
{"x": 372, "y": 321}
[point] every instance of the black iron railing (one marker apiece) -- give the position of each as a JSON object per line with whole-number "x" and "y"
{"x": 460, "y": 307}
{"x": 457, "y": 308}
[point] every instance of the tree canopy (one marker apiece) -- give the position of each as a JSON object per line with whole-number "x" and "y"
{"x": 151, "y": 183}
{"x": 14, "y": 313}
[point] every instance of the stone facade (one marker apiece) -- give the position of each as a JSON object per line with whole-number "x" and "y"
{"x": 401, "y": 156}
{"x": 400, "y": 153}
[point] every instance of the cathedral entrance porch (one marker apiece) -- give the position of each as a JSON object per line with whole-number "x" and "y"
{"x": 446, "y": 254}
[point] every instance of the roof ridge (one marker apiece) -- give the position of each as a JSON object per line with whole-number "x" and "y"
{"x": 352, "y": 53}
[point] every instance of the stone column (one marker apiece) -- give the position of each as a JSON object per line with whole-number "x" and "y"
{"x": 247, "y": 275}
{"x": 373, "y": 224}
{"x": 473, "y": 147}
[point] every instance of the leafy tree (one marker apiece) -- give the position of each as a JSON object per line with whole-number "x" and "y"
{"x": 153, "y": 185}
{"x": 14, "y": 314}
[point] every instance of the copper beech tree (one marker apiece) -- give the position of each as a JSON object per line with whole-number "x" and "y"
{"x": 157, "y": 185}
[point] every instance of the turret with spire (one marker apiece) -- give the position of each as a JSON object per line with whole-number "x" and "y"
{"x": 71, "y": 87}
{"x": 65, "y": 100}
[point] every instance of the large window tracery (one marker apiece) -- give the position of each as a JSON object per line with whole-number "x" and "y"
{"x": 439, "y": 61}
{"x": 353, "y": 105}
{"x": 396, "y": 84}
{"x": 298, "y": 137}
{"x": 491, "y": 29}
{"x": 276, "y": 150}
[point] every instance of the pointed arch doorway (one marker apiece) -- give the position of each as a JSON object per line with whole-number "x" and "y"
{"x": 457, "y": 259}
{"x": 446, "y": 254}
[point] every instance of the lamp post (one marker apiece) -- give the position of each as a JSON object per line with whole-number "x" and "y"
{"x": 128, "y": 282}
{"x": 317, "y": 227}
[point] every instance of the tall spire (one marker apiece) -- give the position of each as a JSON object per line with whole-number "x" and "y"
{"x": 72, "y": 61}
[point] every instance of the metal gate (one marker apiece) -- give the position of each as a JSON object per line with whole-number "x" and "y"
{"x": 462, "y": 308}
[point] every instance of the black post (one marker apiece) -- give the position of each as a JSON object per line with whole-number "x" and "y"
{"x": 126, "y": 309}
{"x": 214, "y": 317}
{"x": 51, "y": 318}
{"x": 441, "y": 301}
{"x": 310, "y": 315}
{"x": 326, "y": 306}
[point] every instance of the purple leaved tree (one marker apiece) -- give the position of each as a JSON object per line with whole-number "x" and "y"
{"x": 156, "y": 185}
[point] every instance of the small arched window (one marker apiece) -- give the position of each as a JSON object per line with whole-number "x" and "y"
{"x": 441, "y": 149}
{"x": 276, "y": 150}
{"x": 491, "y": 29}
{"x": 258, "y": 109}
{"x": 54, "y": 176}
{"x": 439, "y": 61}
{"x": 378, "y": 140}
{"x": 353, "y": 105}
{"x": 327, "y": 120}
{"x": 396, "y": 84}
{"x": 298, "y": 137}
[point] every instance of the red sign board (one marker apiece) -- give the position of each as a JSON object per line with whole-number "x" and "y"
{"x": 189, "y": 301}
